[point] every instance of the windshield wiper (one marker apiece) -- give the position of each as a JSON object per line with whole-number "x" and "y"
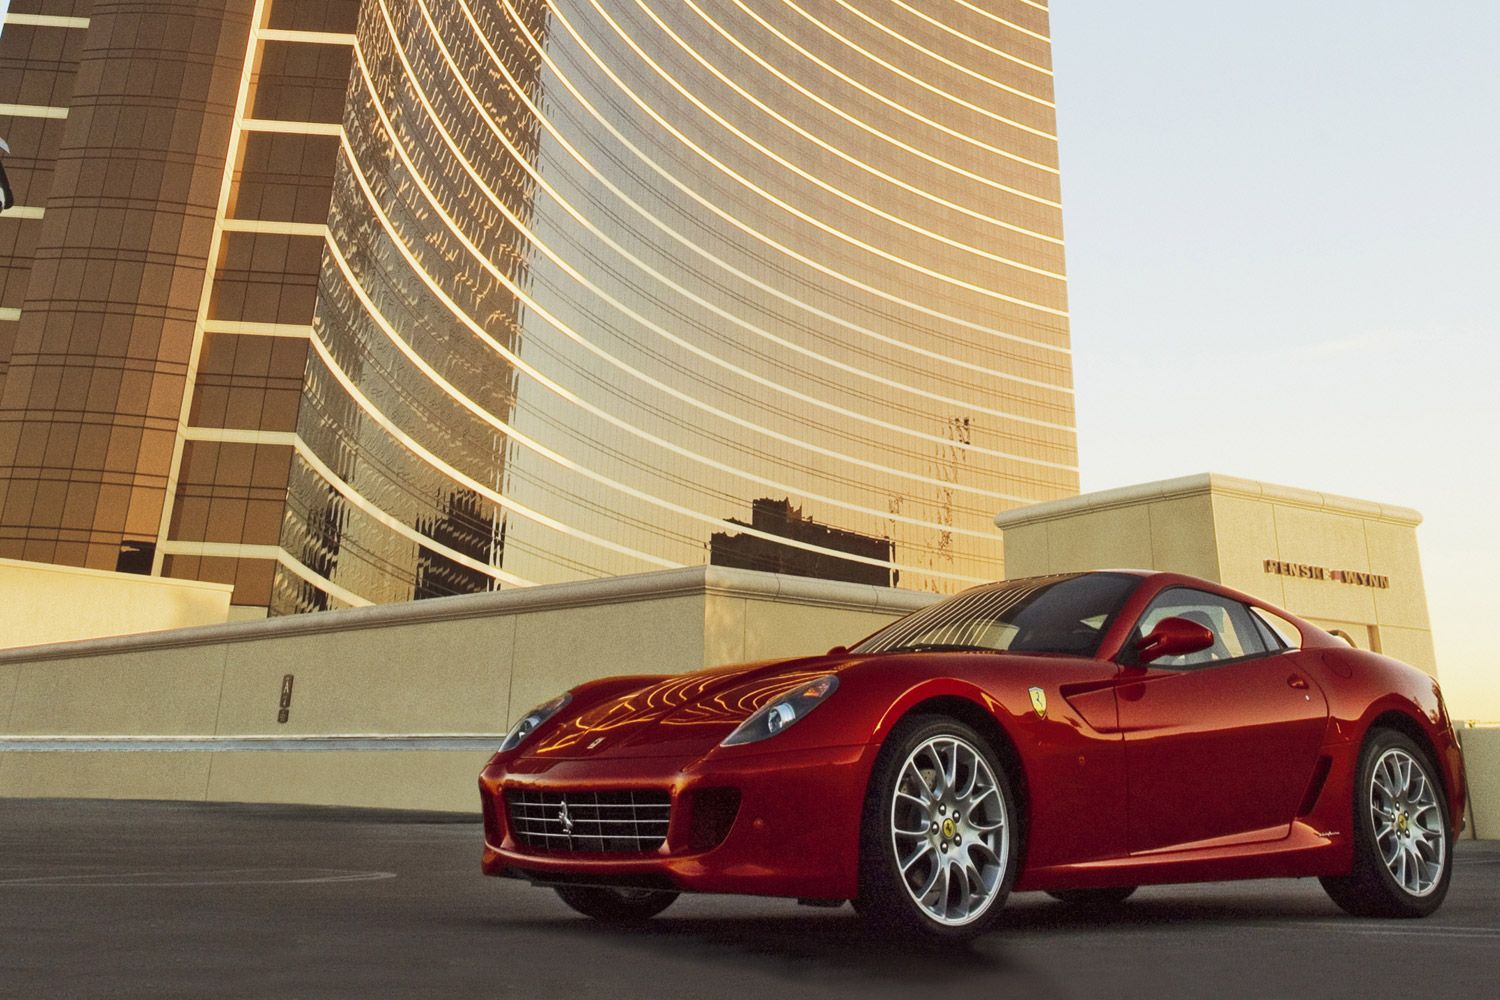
{"x": 942, "y": 647}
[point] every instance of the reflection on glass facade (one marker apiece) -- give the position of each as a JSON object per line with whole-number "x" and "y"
{"x": 602, "y": 274}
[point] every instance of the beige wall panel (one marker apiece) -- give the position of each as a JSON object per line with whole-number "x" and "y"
{"x": 84, "y": 775}
{"x": 774, "y": 629}
{"x": 10, "y": 674}
{"x": 1357, "y": 631}
{"x": 1482, "y": 761}
{"x": 1393, "y": 553}
{"x": 429, "y": 677}
{"x": 1182, "y": 537}
{"x": 1118, "y": 538}
{"x": 557, "y": 649}
{"x": 1026, "y": 551}
{"x": 724, "y": 630}
{"x": 1409, "y": 645}
{"x": 446, "y": 780}
{"x": 1330, "y": 540}
{"x": 41, "y": 603}
{"x": 160, "y": 692}
{"x": 1246, "y": 534}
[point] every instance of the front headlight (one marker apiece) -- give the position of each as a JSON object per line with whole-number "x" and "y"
{"x": 783, "y": 712}
{"x": 532, "y": 719}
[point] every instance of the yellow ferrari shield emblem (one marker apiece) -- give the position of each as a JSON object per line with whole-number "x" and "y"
{"x": 1039, "y": 702}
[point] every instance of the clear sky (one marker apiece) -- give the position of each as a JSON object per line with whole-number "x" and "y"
{"x": 1283, "y": 228}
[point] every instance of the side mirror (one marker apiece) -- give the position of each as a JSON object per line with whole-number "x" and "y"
{"x": 1173, "y": 637}
{"x": 838, "y": 651}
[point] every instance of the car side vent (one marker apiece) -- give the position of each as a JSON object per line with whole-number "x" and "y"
{"x": 1315, "y": 787}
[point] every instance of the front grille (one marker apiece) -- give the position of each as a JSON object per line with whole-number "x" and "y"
{"x": 632, "y": 822}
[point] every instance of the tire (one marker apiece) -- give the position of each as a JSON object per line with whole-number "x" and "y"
{"x": 940, "y": 802}
{"x": 1398, "y": 785}
{"x": 1093, "y": 899}
{"x": 616, "y": 906}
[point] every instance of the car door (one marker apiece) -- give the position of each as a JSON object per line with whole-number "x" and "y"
{"x": 1219, "y": 745}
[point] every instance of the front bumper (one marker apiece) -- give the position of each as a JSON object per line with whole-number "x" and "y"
{"x": 795, "y": 832}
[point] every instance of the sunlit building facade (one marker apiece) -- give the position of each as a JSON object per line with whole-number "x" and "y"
{"x": 378, "y": 300}
{"x": 601, "y": 276}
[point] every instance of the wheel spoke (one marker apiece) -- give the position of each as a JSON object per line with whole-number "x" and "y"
{"x": 926, "y": 891}
{"x": 1387, "y": 779}
{"x": 950, "y": 777}
{"x": 980, "y": 823}
{"x": 986, "y": 853}
{"x": 968, "y": 789}
{"x": 923, "y": 804}
{"x": 965, "y": 889}
{"x": 921, "y": 852}
{"x": 974, "y": 876}
{"x": 915, "y": 772}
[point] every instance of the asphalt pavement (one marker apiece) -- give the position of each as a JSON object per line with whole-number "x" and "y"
{"x": 116, "y": 899}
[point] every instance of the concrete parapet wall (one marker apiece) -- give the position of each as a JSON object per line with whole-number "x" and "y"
{"x": 456, "y": 666}
{"x": 42, "y": 603}
{"x": 1482, "y": 762}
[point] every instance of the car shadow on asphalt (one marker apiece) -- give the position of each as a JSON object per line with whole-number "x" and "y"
{"x": 839, "y": 947}
{"x": 818, "y": 952}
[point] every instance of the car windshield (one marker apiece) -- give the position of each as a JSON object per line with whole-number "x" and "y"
{"x": 1051, "y": 614}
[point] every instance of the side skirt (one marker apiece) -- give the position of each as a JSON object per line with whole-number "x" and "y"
{"x": 1304, "y": 852}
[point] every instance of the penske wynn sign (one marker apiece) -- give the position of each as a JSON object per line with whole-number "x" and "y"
{"x": 1303, "y": 571}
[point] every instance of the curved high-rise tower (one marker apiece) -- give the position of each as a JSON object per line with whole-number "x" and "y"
{"x": 616, "y": 285}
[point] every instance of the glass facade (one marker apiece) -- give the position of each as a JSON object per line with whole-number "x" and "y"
{"x": 354, "y": 301}
{"x": 120, "y": 141}
{"x": 175, "y": 161}
{"x": 616, "y": 286}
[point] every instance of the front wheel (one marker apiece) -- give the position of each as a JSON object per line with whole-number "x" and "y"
{"x": 616, "y": 906}
{"x": 1403, "y": 858}
{"x": 940, "y": 838}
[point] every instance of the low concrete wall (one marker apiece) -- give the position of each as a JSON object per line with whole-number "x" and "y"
{"x": 42, "y": 603}
{"x": 464, "y": 666}
{"x": 1482, "y": 761}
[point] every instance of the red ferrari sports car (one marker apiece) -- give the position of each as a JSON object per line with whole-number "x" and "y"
{"x": 1080, "y": 734}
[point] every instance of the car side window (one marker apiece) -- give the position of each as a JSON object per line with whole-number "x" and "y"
{"x": 1234, "y": 629}
{"x": 1286, "y": 635}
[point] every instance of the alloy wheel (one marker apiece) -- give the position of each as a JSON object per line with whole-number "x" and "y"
{"x": 948, "y": 827}
{"x": 1408, "y": 820}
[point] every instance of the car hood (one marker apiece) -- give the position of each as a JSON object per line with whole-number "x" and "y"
{"x": 686, "y": 714}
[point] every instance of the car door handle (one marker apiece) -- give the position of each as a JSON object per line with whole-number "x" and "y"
{"x": 1297, "y": 681}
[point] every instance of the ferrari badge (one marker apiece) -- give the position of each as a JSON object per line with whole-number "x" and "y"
{"x": 1039, "y": 702}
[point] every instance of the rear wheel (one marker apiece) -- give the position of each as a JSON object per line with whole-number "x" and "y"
{"x": 939, "y": 840}
{"x": 1093, "y": 899}
{"x": 1403, "y": 857}
{"x": 616, "y": 906}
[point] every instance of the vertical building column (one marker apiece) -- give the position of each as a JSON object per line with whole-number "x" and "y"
{"x": 91, "y": 403}
{"x": 223, "y": 517}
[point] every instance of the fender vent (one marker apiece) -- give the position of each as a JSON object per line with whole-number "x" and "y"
{"x": 1315, "y": 787}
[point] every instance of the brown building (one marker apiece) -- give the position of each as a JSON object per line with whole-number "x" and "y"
{"x": 172, "y": 163}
